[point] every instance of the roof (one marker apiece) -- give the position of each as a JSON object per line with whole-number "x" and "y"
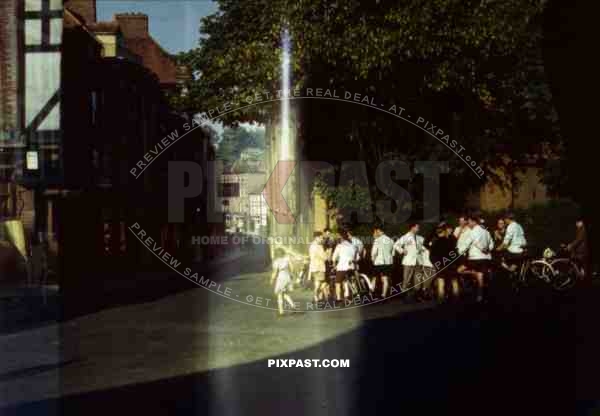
{"x": 84, "y": 9}
{"x": 154, "y": 58}
{"x": 73, "y": 20}
{"x": 248, "y": 166}
{"x": 104, "y": 27}
{"x": 137, "y": 40}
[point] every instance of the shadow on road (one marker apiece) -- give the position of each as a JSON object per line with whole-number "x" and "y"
{"x": 102, "y": 291}
{"x": 26, "y": 308}
{"x": 534, "y": 355}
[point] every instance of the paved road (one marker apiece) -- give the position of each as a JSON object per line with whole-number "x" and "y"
{"x": 192, "y": 352}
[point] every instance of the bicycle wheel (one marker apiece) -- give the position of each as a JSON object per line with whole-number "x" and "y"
{"x": 369, "y": 287}
{"x": 565, "y": 276}
{"x": 541, "y": 270}
{"x": 354, "y": 287}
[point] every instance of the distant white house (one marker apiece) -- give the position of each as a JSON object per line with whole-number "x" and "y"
{"x": 240, "y": 198}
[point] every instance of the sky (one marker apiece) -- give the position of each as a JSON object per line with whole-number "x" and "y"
{"x": 173, "y": 23}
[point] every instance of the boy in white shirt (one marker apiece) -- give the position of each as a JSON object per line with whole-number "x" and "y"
{"x": 410, "y": 246}
{"x": 344, "y": 257}
{"x": 461, "y": 233}
{"x": 514, "y": 237}
{"x": 514, "y": 243}
{"x": 360, "y": 254}
{"x": 383, "y": 260}
{"x": 318, "y": 256}
{"x": 478, "y": 248}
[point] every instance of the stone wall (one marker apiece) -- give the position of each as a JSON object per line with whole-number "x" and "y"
{"x": 529, "y": 190}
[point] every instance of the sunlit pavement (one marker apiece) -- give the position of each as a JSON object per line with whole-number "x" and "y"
{"x": 190, "y": 332}
{"x": 197, "y": 353}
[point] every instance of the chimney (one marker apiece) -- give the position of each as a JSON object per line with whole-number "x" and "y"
{"x": 183, "y": 74}
{"x": 84, "y": 8}
{"x": 133, "y": 25}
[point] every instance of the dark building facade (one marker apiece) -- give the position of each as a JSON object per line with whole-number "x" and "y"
{"x": 76, "y": 118}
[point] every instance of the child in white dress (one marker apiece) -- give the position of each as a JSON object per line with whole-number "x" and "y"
{"x": 282, "y": 276}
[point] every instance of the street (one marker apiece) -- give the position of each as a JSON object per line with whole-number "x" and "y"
{"x": 155, "y": 213}
{"x": 192, "y": 352}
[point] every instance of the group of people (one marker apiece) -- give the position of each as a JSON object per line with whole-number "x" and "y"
{"x": 476, "y": 251}
{"x": 437, "y": 266}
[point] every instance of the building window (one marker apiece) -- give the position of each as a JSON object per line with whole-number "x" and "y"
{"x": 33, "y": 5}
{"x": 229, "y": 190}
{"x": 56, "y": 31}
{"x": 33, "y": 32}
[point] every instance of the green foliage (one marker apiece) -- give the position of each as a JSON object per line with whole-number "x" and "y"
{"x": 343, "y": 197}
{"x": 471, "y": 46}
{"x": 473, "y": 68}
{"x": 556, "y": 177}
{"x": 235, "y": 140}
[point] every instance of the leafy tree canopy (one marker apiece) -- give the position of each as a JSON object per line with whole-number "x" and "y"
{"x": 472, "y": 67}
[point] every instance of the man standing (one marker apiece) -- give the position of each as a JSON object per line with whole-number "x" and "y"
{"x": 410, "y": 246}
{"x": 514, "y": 242}
{"x": 356, "y": 242}
{"x": 579, "y": 250}
{"x": 461, "y": 234}
{"x": 328, "y": 240}
{"x": 318, "y": 257}
{"x": 443, "y": 253}
{"x": 360, "y": 252}
{"x": 344, "y": 257}
{"x": 462, "y": 226}
{"x": 478, "y": 246}
{"x": 514, "y": 238}
{"x": 382, "y": 257}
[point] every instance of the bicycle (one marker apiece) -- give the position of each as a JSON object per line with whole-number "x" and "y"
{"x": 303, "y": 277}
{"x": 561, "y": 273}
{"x": 359, "y": 284}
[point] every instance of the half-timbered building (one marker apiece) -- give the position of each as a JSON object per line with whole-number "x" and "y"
{"x": 79, "y": 108}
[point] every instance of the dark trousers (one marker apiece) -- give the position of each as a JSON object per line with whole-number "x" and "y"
{"x": 409, "y": 277}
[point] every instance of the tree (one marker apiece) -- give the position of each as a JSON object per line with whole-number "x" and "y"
{"x": 236, "y": 139}
{"x": 473, "y": 67}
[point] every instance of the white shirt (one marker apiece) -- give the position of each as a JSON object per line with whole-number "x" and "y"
{"x": 479, "y": 244}
{"x": 456, "y": 231}
{"x": 382, "y": 251}
{"x": 282, "y": 265}
{"x": 359, "y": 246}
{"x": 426, "y": 259}
{"x": 344, "y": 256}
{"x": 317, "y": 255}
{"x": 462, "y": 244}
{"x": 514, "y": 238}
{"x": 411, "y": 247}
